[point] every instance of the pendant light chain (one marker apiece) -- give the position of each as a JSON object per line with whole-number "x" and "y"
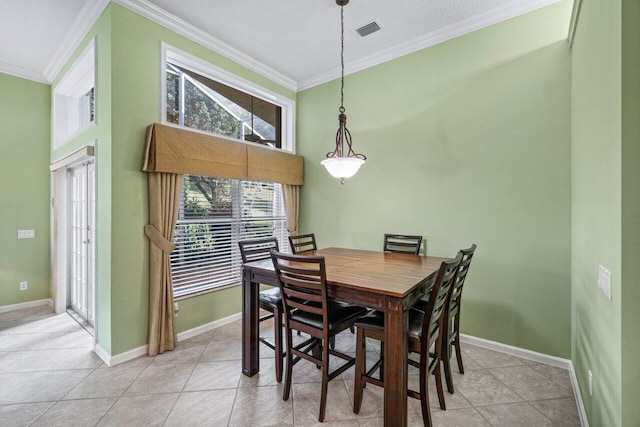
{"x": 341, "y": 109}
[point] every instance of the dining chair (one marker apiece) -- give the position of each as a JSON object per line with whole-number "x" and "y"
{"x": 425, "y": 332}
{"x": 303, "y": 243}
{"x": 452, "y": 318}
{"x": 268, "y": 299}
{"x": 304, "y": 278}
{"x": 402, "y": 243}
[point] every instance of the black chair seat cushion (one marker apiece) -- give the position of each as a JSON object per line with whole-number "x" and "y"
{"x": 373, "y": 320}
{"x": 415, "y": 323}
{"x": 337, "y": 312}
{"x": 270, "y": 298}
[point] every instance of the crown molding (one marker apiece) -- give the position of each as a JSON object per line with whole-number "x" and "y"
{"x": 432, "y": 38}
{"x": 78, "y": 30}
{"x": 177, "y": 25}
{"x": 23, "y": 73}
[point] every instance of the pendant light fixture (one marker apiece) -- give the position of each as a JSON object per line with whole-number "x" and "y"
{"x": 343, "y": 163}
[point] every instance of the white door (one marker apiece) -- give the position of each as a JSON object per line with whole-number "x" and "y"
{"x": 81, "y": 295}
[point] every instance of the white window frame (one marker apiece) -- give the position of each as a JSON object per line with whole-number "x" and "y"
{"x": 68, "y": 98}
{"x": 197, "y": 65}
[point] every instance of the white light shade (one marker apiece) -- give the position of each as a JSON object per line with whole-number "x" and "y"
{"x": 342, "y": 167}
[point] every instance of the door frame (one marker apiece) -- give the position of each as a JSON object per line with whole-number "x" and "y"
{"x": 60, "y": 241}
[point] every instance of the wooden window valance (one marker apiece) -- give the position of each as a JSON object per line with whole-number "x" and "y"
{"x": 174, "y": 150}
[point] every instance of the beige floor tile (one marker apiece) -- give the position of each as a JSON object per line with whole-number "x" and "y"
{"x": 77, "y": 339}
{"x": 48, "y": 360}
{"x": 492, "y": 359}
{"x": 306, "y": 403}
{"x": 39, "y": 386}
{"x": 202, "y": 408}
{"x": 149, "y": 410}
{"x": 157, "y": 379}
{"x": 555, "y": 374}
{"x": 482, "y": 388}
{"x": 22, "y": 414}
{"x": 225, "y": 350}
{"x": 214, "y": 376}
{"x": 529, "y": 384}
{"x": 16, "y": 342}
{"x": 77, "y": 413}
{"x": 106, "y": 382}
{"x": 231, "y": 331}
{"x": 514, "y": 414}
{"x": 185, "y": 352}
{"x": 468, "y": 417}
{"x": 261, "y": 406}
{"x": 562, "y": 412}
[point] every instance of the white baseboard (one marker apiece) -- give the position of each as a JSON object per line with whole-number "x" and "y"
{"x": 121, "y": 357}
{"x": 208, "y": 326}
{"x": 517, "y": 351}
{"x": 576, "y": 392}
{"x": 23, "y": 305}
{"x": 536, "y": 357}
{"x": 142, "y": 350}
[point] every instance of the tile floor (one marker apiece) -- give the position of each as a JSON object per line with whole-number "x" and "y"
{"x": 49, "y": 376}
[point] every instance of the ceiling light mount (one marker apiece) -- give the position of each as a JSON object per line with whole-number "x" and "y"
{"x": 341, "y": 163}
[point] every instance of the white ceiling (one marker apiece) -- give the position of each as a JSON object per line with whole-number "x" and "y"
{"x": 294, "y": 42}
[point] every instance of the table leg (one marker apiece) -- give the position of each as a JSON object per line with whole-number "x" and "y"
{"x": 395, "y": 364}
{"x": 250, "y": 330}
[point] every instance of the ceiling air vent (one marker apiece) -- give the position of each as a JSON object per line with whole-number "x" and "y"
{"x": 367, "y": 29}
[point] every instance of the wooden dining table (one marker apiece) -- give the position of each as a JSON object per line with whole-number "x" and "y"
{"x": 384, "y": 281}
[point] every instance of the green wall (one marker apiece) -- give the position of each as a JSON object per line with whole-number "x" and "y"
{"x": 467, "y": 142}
{"x": 100, "y": 137}
{"x": 25, "y": 107}
{"x": 135, "y": 95}
{"x": 596, "y": 207}
{"x": 630, "y": 212}
{"x": 606, "y": 208}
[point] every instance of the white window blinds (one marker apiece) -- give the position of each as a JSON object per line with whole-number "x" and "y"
{"x": 214, "y": 214}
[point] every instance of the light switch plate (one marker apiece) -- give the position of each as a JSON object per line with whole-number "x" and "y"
{"x": 26, "y": 234}
{"x": 604, "y": 281}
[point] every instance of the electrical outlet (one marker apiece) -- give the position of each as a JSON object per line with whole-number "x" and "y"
{"x": 24, "y": 286}
{"x": 176, "y": 308}
{"x": 590, "y": 383}
{"x": 604, "y": 281}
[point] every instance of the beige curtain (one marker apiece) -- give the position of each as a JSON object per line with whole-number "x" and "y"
{"x": 164, "y": 197}
{"x": 291, "y": 195}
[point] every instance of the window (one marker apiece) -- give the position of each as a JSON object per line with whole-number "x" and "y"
{"x": 215, "y": 213}
{"x": 74, "y": 99}
{"x": 199, "y": 102}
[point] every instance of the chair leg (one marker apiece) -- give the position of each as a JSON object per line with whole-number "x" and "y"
{"x": 438, "y": 372}
{"x": 456, "y": 343}
{"x": 360, "y": 369}
{"x": 446, "y": 360}
{"x": 287, "y": 380}
{"x": 332, "y": 342}
{"x": 325, "y": 381}
{"x": 424, "y": 395}
{"x": 277, "y": 324}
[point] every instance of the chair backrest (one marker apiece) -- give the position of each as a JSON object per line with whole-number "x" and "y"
{"x": 433, "y": 315}
{"x": 303, "y": 243}
{"x": 463, "y": 269}
{"x": 402, "y": 243}
{"x": 257, "y": 249}
{"x": 303, "y": 284}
